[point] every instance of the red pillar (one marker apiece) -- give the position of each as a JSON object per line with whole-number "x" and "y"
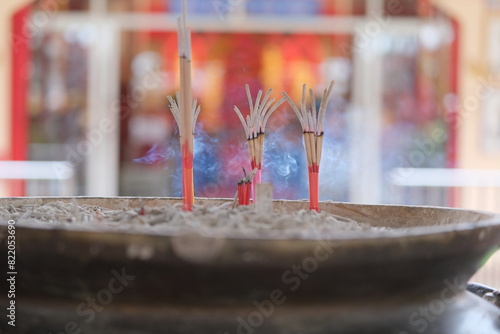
{"x": 19, "y": 82}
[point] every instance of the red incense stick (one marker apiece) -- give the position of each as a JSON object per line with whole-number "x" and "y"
{"x": 187, "y": 177}
{"x": 187, "y": 139}
{"x": 313, "y": 190}
{"x": 312, "y": 122}
{"x": 248, "y": 188}
{"x": 254, "y": 125}
{"x": 186, "y": 148}
{"x": 245, "y": 187}
{"x": 241, "y": 192}
{"x": 185, "y": 110}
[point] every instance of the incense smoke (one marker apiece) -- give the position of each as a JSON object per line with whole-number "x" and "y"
{"x": 334, "y": 169}
{"x": 206, "y": 165}
{"x": 209, "y": 179}
{"x": 285, "y": 156}
{"x": 158, "y": 153}
{"x": 284, "y": 165}
{"x": 336, "y": 162}
{"x": 219, "y": 158}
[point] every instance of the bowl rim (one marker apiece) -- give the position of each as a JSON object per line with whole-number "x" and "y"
{"x": 491, "y": 221}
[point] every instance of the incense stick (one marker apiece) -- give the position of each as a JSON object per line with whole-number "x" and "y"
{"x": 187, "y": 115}
{"x": 187, "y": 155}
{"x": 185, "y": 110}
{"x": 254, "y": 125}
{"x": 312, "y": 123}
{"x": 244, "y": 187}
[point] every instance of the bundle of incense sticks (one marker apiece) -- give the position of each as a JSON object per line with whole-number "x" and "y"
{"x": 312, "y": 122}
{"x": 184, "y": 110}
{"x": 187, "y": 156}
{"x": 244, "y": 187}
{"x": 255, "y": 125}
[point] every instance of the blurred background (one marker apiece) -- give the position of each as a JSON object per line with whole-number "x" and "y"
{"x": 415, "y": 116}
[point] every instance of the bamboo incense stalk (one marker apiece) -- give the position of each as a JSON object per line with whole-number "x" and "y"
{"x": 241, "y": 192}
{"x": 252, "y": 157}
{"x": 254, "y": 125}
{"x": 245, "y": 187}
{"x": 187, "y": 157}
{"x": 187, "y": 142}
{"x": 319, "y": 144}
{"x": 261, "y": 144}
{"x": 312, "y": 123}
{"x": 185, "y": 110}
{"x": 312, "y": 146}
{"x": 308, "y": 147}
{"x": 248, "y": 188}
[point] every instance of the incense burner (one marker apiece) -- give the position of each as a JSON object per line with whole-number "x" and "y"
{"x": 409, "y": 281}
